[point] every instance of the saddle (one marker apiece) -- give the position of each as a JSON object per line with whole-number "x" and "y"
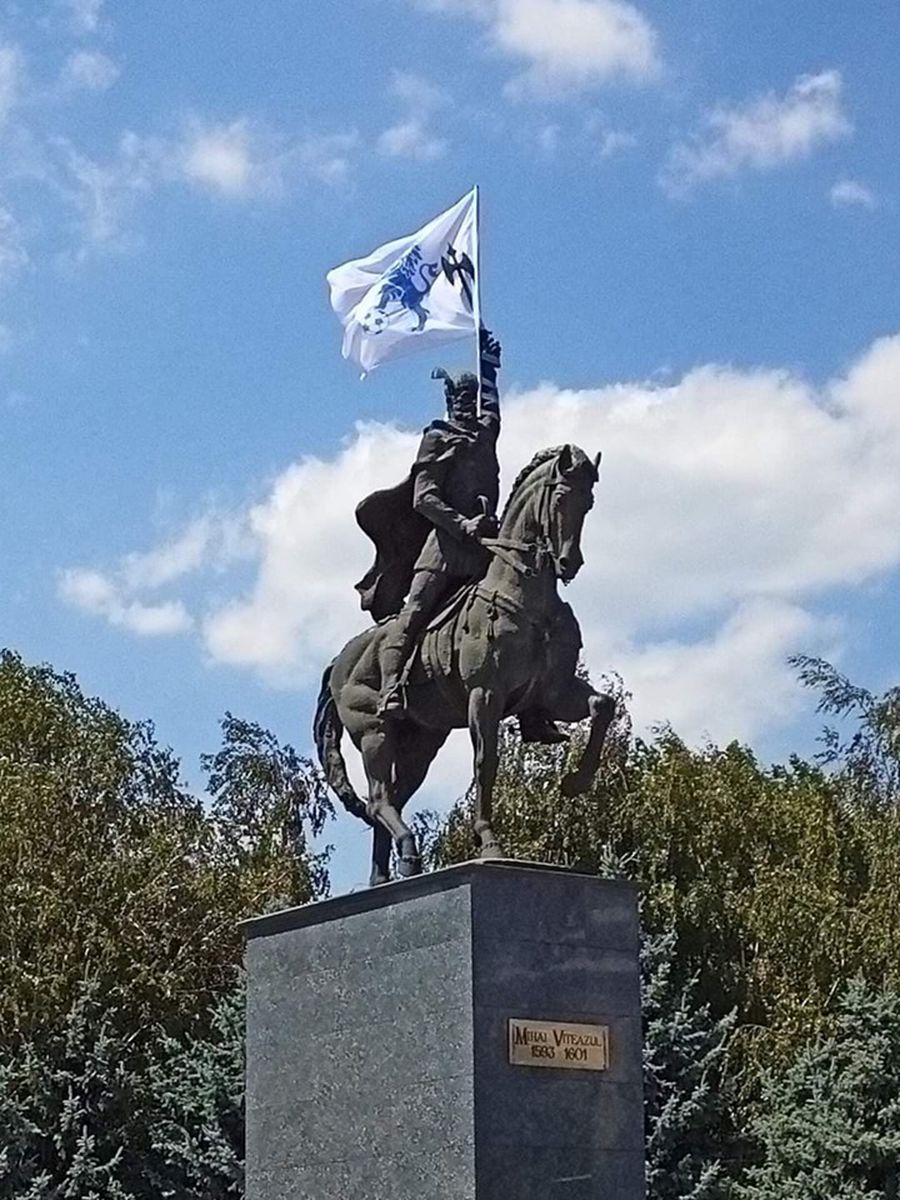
{"x": 433, "y": 655}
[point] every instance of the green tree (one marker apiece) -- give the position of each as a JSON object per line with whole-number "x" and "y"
{"x": 197, "y": 1090}
{"x": 267, "y": 803}
{"x": 685, "y": 1056}
{"x": 777, "y": 889}
{"x": 71, "y": 1117}
{"x": 829, "y": 1124}
{"x": 867, "y": 762}
{"x": 111, "y": 871}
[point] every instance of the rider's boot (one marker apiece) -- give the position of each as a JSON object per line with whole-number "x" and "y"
{"x": 536, "y": 726}
{"x": 391, "y": 703}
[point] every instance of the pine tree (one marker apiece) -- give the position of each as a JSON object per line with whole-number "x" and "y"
{"x": 71, "y": 1123}
{"x": 829, "y": 1124}
{"x": 197, "y": 1085}
{"x": 684, "y": 1057}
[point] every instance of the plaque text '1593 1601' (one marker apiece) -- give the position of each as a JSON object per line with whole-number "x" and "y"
{"x": 558, "y": 1044}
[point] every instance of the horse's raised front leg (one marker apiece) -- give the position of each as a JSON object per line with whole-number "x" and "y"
{"x": 580, "y": 701}
{"x": 377, "y": 756}
{"x": 484, "y": 723}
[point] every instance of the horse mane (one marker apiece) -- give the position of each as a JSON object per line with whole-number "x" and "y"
{"x": 539, "y": 459}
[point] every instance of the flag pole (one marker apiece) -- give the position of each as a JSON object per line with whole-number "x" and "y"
{"x": 476, "y": 295}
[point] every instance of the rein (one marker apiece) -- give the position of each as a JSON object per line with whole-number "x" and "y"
{"x": 501, "y": 547}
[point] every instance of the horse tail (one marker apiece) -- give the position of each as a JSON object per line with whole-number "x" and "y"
{"x": 327, "y": 730}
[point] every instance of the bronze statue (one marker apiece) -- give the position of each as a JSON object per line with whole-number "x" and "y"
{"x": 471, "y": 628}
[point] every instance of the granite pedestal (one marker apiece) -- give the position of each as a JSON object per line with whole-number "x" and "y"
{"x": 378, "y": 1041}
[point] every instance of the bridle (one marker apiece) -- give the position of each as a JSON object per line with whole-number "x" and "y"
{"x": 506, "y": 549}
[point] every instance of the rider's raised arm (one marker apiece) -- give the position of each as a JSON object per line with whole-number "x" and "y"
{"x": 490, "y": 365}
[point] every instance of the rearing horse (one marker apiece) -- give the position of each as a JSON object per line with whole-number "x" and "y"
{"x": 503, "y": 644}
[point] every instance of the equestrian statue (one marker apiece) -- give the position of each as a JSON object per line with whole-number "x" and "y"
{"x": 470, "y": 627}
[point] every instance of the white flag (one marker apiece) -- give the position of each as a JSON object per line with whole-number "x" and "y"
{"x": 412, "y": 293}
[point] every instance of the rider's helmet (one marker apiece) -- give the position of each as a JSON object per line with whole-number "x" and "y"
{"x": 461, "y": 395}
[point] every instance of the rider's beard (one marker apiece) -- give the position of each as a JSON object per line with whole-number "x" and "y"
{"x": 463, "y": 414}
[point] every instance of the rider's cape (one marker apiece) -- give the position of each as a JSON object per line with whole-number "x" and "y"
{"x": 398, "y": 531}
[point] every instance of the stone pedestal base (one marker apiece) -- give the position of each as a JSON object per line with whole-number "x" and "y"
{"x": 379, "y": 1041}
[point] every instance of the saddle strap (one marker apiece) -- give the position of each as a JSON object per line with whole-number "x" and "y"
{"x": 495, "y": 600}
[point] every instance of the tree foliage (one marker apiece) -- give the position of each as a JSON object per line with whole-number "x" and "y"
{"x": 829, "y": 1125}
{"x": 110, "y": 871}
{"x": 197, "y": 1093}
{"x": 70, "y": 1119}
{"x": 771, "y": 967}
{"x": 91, "y": 1113}
{"x": 776, "y": 889}
{"x": 867, "y": 760}
{"x": 685, "y": 1081}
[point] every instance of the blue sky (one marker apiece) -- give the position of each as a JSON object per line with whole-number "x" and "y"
{"x": 689, "y": 241}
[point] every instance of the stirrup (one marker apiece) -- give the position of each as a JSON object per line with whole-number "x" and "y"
{"x": 392, "y": 704}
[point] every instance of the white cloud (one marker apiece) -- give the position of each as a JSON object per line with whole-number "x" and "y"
{"x": 411, "y": 136}
{"x": 84, "y": 15}
{"x": 419, "y": 93}
{"x": 238, "y": 161}
{"x": 327, "y": 157}
{"x": 729, "y": 500}
{"x": 95, "y": 593}
{"x": 12, "y": 74}
{"x": 570, "y": 44}
{"x": 763, "y": 133}
{"x": 566, "y": 44}
{"x": 307, "y": 520}
{"x": 547, "y": 138}
{"x": 851, "y": 193}
{"x": 211, "y": 541}
{"x": 13, "y": 254}
{"x": 411, "y": 139}
{"x": 243, "y": 160}
{"x": 104, "y": 193}
{"x": 729, "y": 684}
{"x": 90, "y": 69}
{"x": 608, "y": 141}
{"x": 234, "y": 160}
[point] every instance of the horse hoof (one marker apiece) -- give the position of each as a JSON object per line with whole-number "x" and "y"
{"x": 491, "y": 850}
{"x": 409, "y": 865}
{"x": 377, "y": 878}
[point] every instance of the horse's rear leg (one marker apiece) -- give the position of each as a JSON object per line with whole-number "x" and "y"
{"x": 378, "y": 760}
{"x": 485, "y": 712}
{"x": 412, "y": 759}
{"x": 577, "y": 702}
{"x": 381, "y": 855}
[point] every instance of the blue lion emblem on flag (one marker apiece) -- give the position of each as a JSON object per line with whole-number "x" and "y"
{"x": 404, "y": 289}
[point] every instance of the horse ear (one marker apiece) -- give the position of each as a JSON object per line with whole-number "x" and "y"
{"x": 597, "y": 458}
{"x": 564, "y": 463}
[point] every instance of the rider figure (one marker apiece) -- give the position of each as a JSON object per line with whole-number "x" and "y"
{"x": 428, "y": 530}
{"x": 455, "y": 482}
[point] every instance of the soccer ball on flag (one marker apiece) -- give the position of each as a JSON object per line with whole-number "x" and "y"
{"x": 373, "y": 322}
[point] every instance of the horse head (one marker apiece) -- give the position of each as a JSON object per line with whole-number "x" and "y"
{"x": 548, "y": 503}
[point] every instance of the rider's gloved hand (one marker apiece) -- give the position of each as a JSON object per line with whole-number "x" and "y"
{"x": 490, "y": 349}
{"x": 481, "y": 526}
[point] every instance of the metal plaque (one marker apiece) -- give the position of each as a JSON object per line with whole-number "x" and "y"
{"x": 558, "y": 1044}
